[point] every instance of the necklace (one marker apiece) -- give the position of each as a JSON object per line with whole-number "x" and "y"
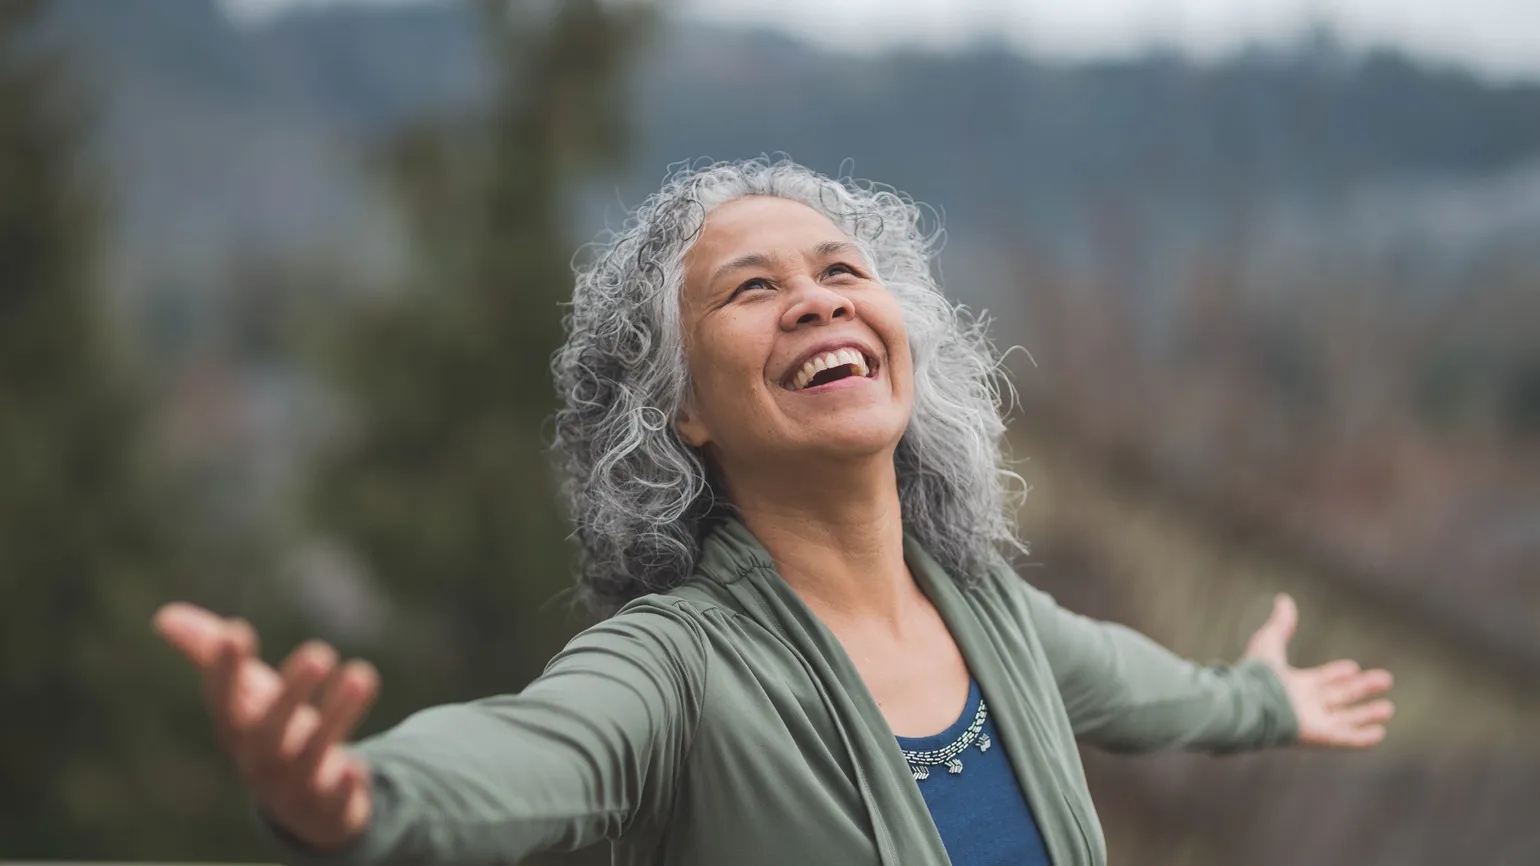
{"x": 921, "y": 762}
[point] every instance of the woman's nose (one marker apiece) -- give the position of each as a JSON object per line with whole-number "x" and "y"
{"x": 816, "y": 304}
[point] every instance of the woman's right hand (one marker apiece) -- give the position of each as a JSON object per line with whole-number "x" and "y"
{"x": 289, "y": 753}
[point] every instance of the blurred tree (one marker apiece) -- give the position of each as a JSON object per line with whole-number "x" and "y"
{"x": 103, "y": 741}
{"x": 444, "y": 484}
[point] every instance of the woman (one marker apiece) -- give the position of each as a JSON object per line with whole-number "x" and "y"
{"x": 782, "y": 451}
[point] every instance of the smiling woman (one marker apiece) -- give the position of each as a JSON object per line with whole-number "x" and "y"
{"x": 781, "y": 447}
{"x": 640, "y": 493}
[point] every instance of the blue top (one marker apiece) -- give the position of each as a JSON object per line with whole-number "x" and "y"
{"x": 981, "y": 812}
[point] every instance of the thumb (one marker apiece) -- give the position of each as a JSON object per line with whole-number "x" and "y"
{"x": 1271, "y": 641}
{"x": 195, "y": 632}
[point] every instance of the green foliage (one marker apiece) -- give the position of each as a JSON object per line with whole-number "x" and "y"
{"x": 102, "y": 740}
{"x": 445, "y": 486}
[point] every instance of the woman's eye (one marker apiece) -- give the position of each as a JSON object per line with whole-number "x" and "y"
{"x": 839, "y": 267}
{"x": 750, "y": 286}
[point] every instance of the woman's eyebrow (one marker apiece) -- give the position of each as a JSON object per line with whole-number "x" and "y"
{"x": 832, "y": 248}
{"x": 752, "y": 260}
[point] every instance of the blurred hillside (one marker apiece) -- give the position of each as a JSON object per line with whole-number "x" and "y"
{"x": 1336, "y": 250}
{"x": 228, "y": 138}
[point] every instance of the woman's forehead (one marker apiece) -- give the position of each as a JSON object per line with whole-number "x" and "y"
{"x": 761, "y": 225}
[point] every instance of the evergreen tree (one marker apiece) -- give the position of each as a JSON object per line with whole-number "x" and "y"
{"x": 446, "y": 487}
{"x": 102, "y": 744}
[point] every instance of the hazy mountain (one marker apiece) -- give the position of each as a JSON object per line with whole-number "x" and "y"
{"x": 224, "y": 138}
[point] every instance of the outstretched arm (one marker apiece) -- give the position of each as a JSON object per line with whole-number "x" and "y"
{"x": 579, "y": 755}
{"x": 1125, "y": 692}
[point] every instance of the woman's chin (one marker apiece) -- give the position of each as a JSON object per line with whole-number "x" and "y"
{"x": 852, "y": 441}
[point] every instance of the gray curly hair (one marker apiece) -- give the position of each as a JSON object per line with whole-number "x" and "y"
{"x": 642, "y": 499}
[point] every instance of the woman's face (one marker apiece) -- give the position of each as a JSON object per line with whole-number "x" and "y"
{"x": 796, "y": 350}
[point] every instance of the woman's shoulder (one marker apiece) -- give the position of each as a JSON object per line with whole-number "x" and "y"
{"x": 694, "y": 597}
{"x": 691, "y": 631}
{"x": 667, "y": 619}
{"x": 654, "y": 632}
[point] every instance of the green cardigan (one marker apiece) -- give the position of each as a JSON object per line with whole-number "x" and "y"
{"x": 722, "y": 723}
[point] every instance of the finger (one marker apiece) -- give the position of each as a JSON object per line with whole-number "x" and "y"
{"x": 344, "y": 797}
{"x": 274, "y": 738}
{"x": 1271, "y": 641}
{"x": 1332, "y": 672}
{"x": 353, "y": 690}
{"x": 219, "y": 687}
{"x": 331, "y": 781}
{"x": 1352, "y": 690}
{"x": 336, "y": 787}
{"x": 232, "y": 686}
{"x": 1369, "y": 715}
{"x": 245, "y": 637}
{"x": 195, "y": 632}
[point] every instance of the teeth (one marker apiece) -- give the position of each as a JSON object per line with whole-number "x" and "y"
{"x": 839, "y": 358}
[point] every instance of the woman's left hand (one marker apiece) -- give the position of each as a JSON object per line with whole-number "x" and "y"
{"x": 1337, "y": 704}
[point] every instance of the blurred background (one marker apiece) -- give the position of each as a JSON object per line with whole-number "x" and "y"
{"x": 279, "y": 283}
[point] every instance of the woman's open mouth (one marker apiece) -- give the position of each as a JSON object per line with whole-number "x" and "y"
{"x": 827, "y": 367}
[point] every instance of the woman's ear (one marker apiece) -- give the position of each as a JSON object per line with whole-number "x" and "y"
{"x": 691, "y": 429}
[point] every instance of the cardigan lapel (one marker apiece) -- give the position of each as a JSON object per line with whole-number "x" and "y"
{"x": 904, "y": 831}
{"x": 1011, "y": 695}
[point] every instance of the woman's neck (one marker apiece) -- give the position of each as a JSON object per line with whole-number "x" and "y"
{"x": 838, "y": 541}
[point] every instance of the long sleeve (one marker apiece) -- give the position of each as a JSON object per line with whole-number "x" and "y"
{"x": 1125, "y": 692}
{"x": 593, "y": 745}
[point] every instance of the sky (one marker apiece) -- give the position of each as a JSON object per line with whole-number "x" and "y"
{"x": 1498, "y": 38}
